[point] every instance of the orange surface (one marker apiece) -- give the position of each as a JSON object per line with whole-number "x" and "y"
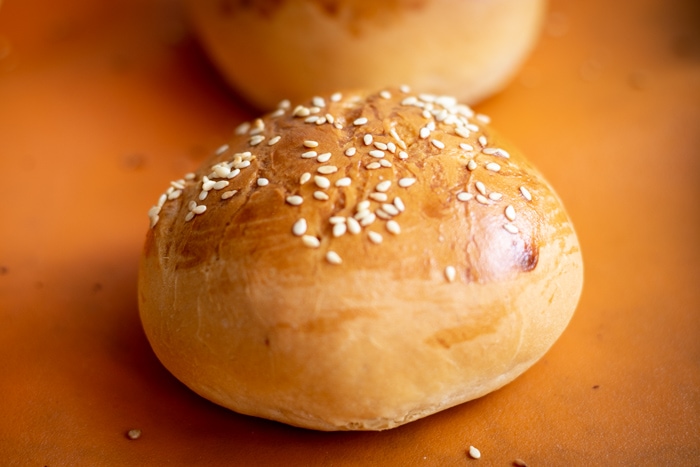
{"x": 103, "y": 103}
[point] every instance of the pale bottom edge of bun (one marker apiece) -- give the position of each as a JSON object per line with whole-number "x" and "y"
{"x": 301, "y": 419}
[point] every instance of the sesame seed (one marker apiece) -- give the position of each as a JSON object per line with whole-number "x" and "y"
{"x": 376, "y": 153}
{"x": 314, "y": 109}
{"x": 312, "y": 119}
{"x": 310, "y": 241}
{"x": 311, "y": 144}
{"x": 322, "y": 182}
{"x": 385, "y": 95}
{"x": 133, "y": 434}
{"x": 154, "y": 219}
{"x": 199, "y": 209}
{"x": 327, "y": 169}
{"x": 474, "y": 452}
{"x": 233, "y": 173}
{"x": 221, "y": 184}
{"x": 403, "y": 155}
{"x": 510, "y": 212}
{"x": 390, "y": 209}
{"x": 405, "y": 88}
{"x": 284, "y": 104}
{"x": 385, "y": 163}
{"x": 482, "y": 199}
{"x": 321, "y": 196}
{"x": 228, "y": 194}
{"x": 277, "y": 113}
{"x": 380, "y": 213}
{"x": 383, "y": 186}
{"x": 466, "y": 147}
{"x": 305, "y": 177}
{"x": 203, "y": 195}
{"x": 162, "y": 199}
{"x": 373, "y": 165}
{"x": 380, "y": 197}
{"x": 424, "y": 133}
{"x": 255, "y": 140}
{"x": 391, "y": 147}
{"x": 367, "y": 139}
{"x": 398, "y": 202}
{"x": 263, "y": 181}
{"x": 339, "y": 229}
{"x": 318, "y": 101}
{"x": 481, "y": 188}
{"x": 410, "y": 100}
{"x": 333, "y": 257}
{"x": 464, "y": 196}
{"x": 337, "y": 219}
{"x": 472, "y": 127}
{"x": 450, "y": 273}
{"x": 299, "y": 227}
{"x": 502, "y": 153}
{"x": 380, "y": 145}
{"x": 243, "y": 164}
{"x": 368, "y": 219}
{"x": 325, "y": 157}
{"x": 438, "y": 144}
{"x": 309, "y": 155}
{"x": 354, "y": 227}
{"x": 294, "y": 200}
{"x": 222, "y": 170}
{"x": 363, "y": 205}
{"x": 495, "y": 196}
{"x": 360, "y": 121}
{"x": 350, "y": 152}
{"x": 175, "y": 194}
{"x": 336, "y": 97}
{"x": 189, "y": 216}
{"x": 189, "y": 176}
{"x": 393, "y": 227}
{"x": 406, "y": 182}
{"x": 510, "y": 228}
{"x": 483, "y": 118}
{"x": 330, "y": 118}
{"x": 375, "y": 237}
{"x": 526, "y": 194}
{"x": 191, "y": 205}
{"x": 242, "y": 128}
{"x": 463, "y": 132}
{"x": 471, "y": 165}
{"x": 345, "y": 181}
{"x": 493, "y": 167}
{"x": 482, "y": 141}
{"x": 489, "y": 151}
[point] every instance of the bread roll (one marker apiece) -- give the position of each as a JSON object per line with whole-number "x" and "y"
{"x": 270, "y": 50}
{"x": 358, "y": 262}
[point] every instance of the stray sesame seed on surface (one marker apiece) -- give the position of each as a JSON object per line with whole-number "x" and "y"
{"x": 393, "y": 227}
{"x": 493, "y": 167}
{"x": 511, "y": 228}
{"x": 474, "y": 453}
{"x": 464, "y": 196}
{"x": 438, "y": 144}
{"x": 350, "y": 152}
{"x": 360, "y": 121}
{"x": 263, "y": 181}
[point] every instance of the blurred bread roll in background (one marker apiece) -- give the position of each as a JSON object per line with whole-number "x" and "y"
{"x": 270, "y": 50}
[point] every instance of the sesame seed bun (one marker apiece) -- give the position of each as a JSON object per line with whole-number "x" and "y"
{"x": 270, "y": 50}
{"x": 357, "y": 262}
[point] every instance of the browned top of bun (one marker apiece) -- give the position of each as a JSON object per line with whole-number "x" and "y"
{"x": 358, "y": 261}
{"x": 461, "y": 170}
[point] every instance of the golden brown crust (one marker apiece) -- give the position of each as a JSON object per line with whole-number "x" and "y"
{"x": 448, "y": 288}
{"x": 295, "y": 48}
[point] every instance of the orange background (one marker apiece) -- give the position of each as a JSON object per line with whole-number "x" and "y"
{"x": 103, "y": 103}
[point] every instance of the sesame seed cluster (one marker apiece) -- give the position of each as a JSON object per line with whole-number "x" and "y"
{"x": 378, "y": 215}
